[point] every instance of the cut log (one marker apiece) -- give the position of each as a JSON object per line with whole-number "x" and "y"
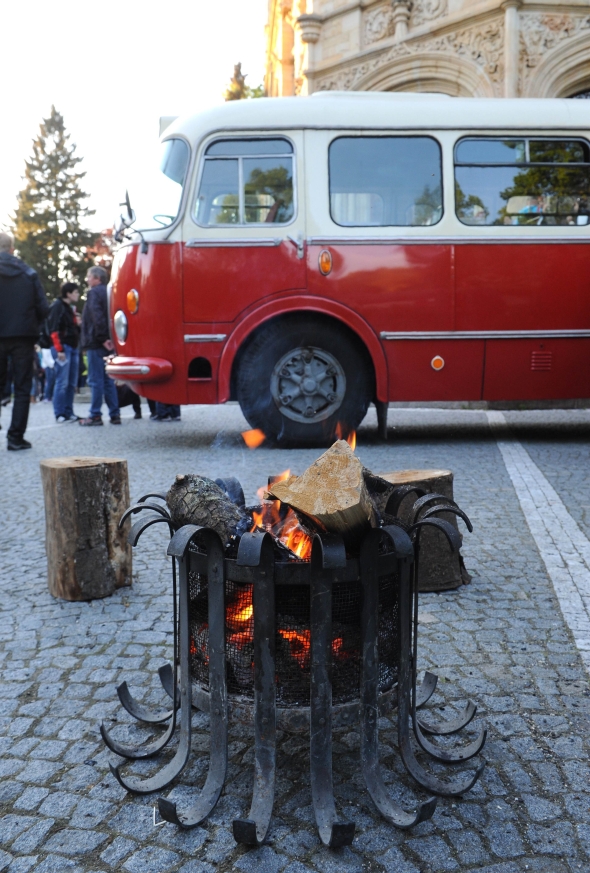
{"x": 87, "y": 555}
{"x": 440, "y": 569}
{"x": 332, "y": 493}
{"x": 198, "y": 500}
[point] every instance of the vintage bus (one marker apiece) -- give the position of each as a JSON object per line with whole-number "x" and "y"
{"x": 310, "y": 256}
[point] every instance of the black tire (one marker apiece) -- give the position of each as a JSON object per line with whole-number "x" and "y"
{"x": 314, "y": 340}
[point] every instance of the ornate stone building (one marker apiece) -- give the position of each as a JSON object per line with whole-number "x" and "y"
{"x": 472, "y": 48}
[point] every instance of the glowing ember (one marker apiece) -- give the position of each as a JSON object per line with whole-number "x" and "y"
{"x": 238, "y": 615}
{"x": 253, "y": 438}
{"x": 300, "y": 644}
{"x": 349, "y": 436}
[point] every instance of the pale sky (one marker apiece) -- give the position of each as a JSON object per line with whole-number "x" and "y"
{"x": 112, "y": 69}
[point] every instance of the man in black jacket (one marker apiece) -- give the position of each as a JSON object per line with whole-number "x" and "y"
{"x": 62, "y": 326}
{"x": 98, "y": 345}
{"x": 23, "y": 306}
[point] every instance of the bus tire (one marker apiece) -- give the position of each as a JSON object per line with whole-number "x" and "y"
{"x": 298, "y": 378}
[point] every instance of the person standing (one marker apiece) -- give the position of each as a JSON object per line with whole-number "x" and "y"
{"x": 23, "y": 306}
{"x": 98, "y": 345}
{"x": 62, "y": 326}
{"x": 48, "y": 364}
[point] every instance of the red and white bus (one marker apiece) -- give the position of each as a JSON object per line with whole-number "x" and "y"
{"x": 310, "y": 256}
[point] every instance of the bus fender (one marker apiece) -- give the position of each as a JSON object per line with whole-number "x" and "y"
{"x": 303, "y": 303}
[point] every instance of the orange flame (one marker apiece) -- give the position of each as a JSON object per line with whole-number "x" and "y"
{"x": 253, "y": 438}
{"x": 285, "y": 528}
{"x": 350, "y": 436}
{"x": 238, "y": 615}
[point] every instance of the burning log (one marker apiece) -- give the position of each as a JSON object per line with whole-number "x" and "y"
{"x": 87, "y": 555}
{"x": 198, "y": 500}
{"x": 332, "y": 493}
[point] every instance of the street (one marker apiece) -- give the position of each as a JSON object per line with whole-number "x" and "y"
{"x": 516, "y": 641}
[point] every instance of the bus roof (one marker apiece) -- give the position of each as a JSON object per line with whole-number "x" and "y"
{"x": 394, "y": 110}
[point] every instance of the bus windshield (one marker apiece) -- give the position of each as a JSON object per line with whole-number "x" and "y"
{"x": 158, "y": 199}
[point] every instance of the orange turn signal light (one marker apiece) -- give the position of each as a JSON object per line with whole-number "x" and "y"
{"x": 325, "y": 262}
{"x": 132, "y": 301}
{"x": 437, "y": 363}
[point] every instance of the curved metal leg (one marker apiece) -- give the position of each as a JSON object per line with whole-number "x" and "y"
{"x": 209, "y": 794}
{"x": 257, "y": 549}
{"x": 369, "y": 690}
{"x": 426, "y": 689}
{"x": 139, "y": 710}
{"x": 166, "y": 675}
{"x": 327, "y": 553}
{"x": 448, "y": 726}
{"x": 145, "y": 750}
{"x": 450, "y": 756}
{"x": 427, "y": 780}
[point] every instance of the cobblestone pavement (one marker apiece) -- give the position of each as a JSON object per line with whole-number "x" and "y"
{"x": 502, "y": 641}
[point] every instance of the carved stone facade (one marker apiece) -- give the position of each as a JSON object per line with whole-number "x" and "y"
{"x": 469, "y": 48}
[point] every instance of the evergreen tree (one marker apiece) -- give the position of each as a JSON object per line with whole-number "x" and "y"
{"x": 48, "y": 223}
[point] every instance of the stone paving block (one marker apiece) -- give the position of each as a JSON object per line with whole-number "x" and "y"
{"x": 151, "y": 860}
{"x": 433, "y": 852}
{"x": 195, "y": 866}
{"x": 31, "y": 839}
{"x": 22, "y": 864}
{"x": 394, "y": 862}
{"x": 58, "y": 864}
{"x": 468, "y": 847}
{"x": 119, "y": 849}
{"x": 31, "y": 798}
{"x": 504, "y": 840}
{"x": 72, "y": 841}
{"x": 556, "y": 839}
{"x": 262, "y": 860}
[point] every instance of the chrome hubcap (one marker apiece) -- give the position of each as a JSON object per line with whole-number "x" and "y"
{"x": 308, "y": 384}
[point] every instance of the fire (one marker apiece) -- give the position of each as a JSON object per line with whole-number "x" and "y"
{"x": 238, "y": 615}
{"x": 300, "y": 643}
{"x": 253, "y": 438}
{"x": 282, "y": 522}
{"x": 350, "y": 437}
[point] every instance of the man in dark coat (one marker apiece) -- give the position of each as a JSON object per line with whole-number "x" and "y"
{"x": 23, "y": 306}
{"x": 98, "y": 345}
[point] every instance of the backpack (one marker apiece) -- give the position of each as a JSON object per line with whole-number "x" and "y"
{"x": 44, "y": 341}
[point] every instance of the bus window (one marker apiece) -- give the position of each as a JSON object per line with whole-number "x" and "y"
{"x": 246, "y": 181}
{"x": 381, "y": 181}
{"x": 522, "y": 181}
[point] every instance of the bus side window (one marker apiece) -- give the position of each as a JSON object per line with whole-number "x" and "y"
{"x": 522, "y": 181}
{"x": 246, "y": 181}
{"x": 381, "y": 181}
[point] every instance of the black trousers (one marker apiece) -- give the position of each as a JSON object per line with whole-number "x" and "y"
{"x": 21, "y": 350}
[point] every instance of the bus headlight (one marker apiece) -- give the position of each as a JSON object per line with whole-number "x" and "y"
{"x": 120, "y": 322}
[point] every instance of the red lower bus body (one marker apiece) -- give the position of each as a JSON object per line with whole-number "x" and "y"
{"x": 197, "y": 306}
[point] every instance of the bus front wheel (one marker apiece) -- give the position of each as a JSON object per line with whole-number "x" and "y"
{"x": 304, "y": 381}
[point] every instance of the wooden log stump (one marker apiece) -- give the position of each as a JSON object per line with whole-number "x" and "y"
{"x": 440, "y": 569}
{"x": 87, "y": 555}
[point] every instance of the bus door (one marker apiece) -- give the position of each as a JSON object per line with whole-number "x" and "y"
{"x": 523, "y": 274}
{"x": 244, "y": 241}
{"x": 374, "y": 221}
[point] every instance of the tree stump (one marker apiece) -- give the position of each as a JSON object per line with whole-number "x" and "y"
{"x": 87, "y": 555}
{"x": 440, "y": 569}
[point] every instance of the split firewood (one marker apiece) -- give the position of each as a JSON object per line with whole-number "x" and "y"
{"x": 197, "y": 500}
{"x": 332, "y": 493}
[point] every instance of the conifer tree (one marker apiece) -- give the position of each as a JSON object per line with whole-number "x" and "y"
{"x": 48, "y": 223}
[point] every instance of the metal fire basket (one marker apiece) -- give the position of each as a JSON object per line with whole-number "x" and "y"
{"x": 297, "y": 643}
